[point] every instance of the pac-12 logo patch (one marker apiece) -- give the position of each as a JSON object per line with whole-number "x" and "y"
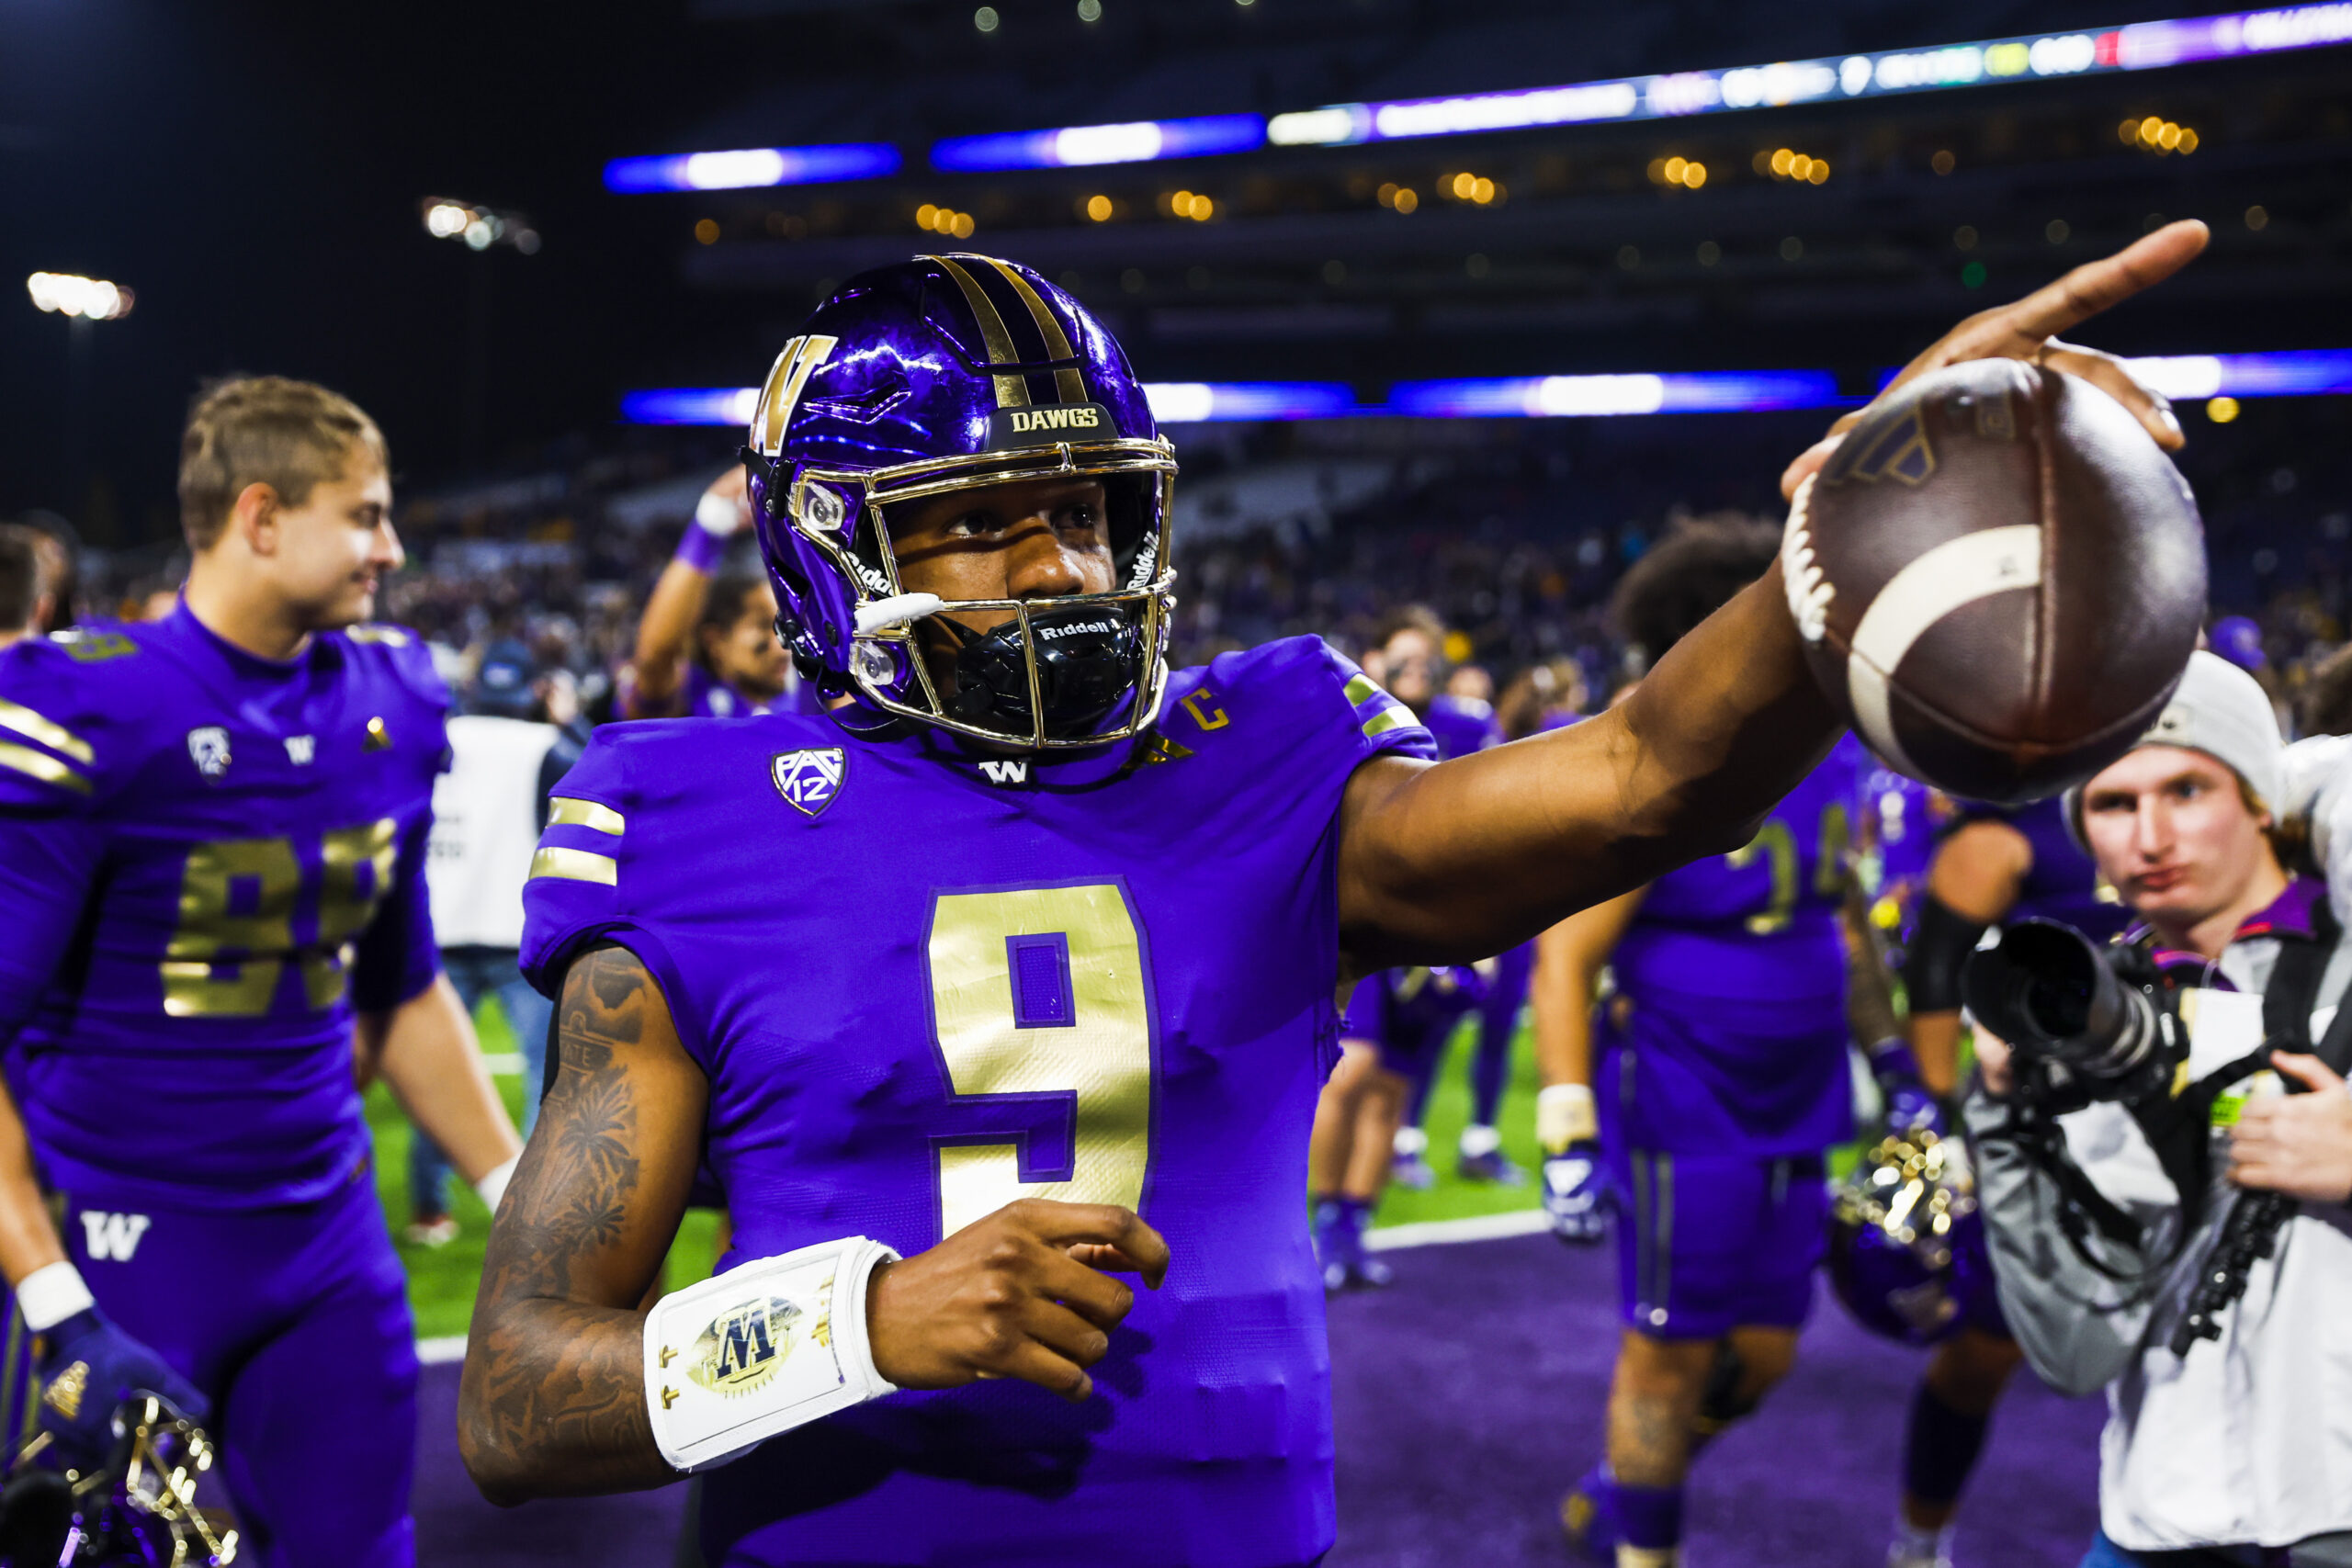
{"x": 809, "y": 779}
{"x": 208, "y": 748}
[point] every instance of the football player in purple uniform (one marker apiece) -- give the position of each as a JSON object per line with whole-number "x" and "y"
{"x": 707, "y": 645}
{"x": 1395, "y": 1022}
{"x": 1698, "y": 1098}
{"x": 1413, "y": 655}
{"x": 1018, "y": 974}
{"x": 1995, "y": 866}
{"x": 212, "y": 833}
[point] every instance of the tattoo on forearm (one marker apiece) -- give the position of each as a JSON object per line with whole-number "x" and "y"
{"x": 556, "y": 1385}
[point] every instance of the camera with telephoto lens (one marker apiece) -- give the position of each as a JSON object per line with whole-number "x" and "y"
{"x": 2085, "y": 1022}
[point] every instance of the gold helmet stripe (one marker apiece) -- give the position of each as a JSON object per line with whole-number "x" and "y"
{"x": 1068, "y": 384}
{"x": 781, "y": 395}
{"x": 1012, "y": 391}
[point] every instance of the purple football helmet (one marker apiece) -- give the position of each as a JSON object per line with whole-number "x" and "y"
{"x": 944, "y": 374}
{"x": 1906, "y": 1244}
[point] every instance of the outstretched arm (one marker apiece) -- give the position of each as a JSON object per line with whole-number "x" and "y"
{"x": 552, "y": 1401}
{"x": 665, "y": 632}
{"x": 1459, "y": 860}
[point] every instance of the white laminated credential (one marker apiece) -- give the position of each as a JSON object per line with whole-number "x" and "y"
{"x": 765, "y": 1346}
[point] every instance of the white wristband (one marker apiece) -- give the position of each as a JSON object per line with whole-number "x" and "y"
{"x": 719, "y": 514}
{"x": 51, "y": 1294}
{"x": 492, "y": 1187}
{"x": 1565, "y": 1114}
{"x": 765, "y": 1346}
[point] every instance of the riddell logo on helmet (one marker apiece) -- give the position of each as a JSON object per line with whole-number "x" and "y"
{"x": 1040, "y": 426}
{"x": 1100, "y": 628}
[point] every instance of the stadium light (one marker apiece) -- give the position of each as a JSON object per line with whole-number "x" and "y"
{"x": 478, "y": 227}
{"x": 2296, "y": 373}
{"x": 752, "y": 167}
{"x": 86, "y": 298}
{"x": 2138, "y": 46}
{"x": 1079, "y": 146}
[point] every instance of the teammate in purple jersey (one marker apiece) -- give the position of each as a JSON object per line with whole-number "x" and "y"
{"x": 1018, "y": 975}
{"x": 707, "y": 645}
{"x": 1414, "y": 664}
{"x": 212, "y": 835}
{"x": 1698, "y": 1098}
{"x": 1997, "y": 865}
{"x": 1396, "y": 1021}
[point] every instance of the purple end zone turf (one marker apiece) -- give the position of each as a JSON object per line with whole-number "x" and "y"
{"x": 1469, "y": 1397}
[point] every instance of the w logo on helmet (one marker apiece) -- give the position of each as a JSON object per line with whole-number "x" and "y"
{"x": 809, "y": 779}
{"x": 781, "y": 395}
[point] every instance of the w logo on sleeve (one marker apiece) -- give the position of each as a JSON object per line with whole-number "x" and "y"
{"x": 112, "y": 1237}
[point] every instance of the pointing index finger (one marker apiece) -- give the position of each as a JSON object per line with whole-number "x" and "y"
{"x": 2104, "y": 284}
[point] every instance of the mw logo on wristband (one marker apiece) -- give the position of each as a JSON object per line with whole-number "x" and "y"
{"x": 745, "y": 1346}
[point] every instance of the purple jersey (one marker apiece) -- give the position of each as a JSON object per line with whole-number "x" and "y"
{"x": 1732, "y": 987}
{"x": 702, "y": 694}
{"x": 926, "y": 981}
{"x": 1900, "y": 819}
{"x": 2062, "y": 881}
{"x": 207, "y": 861}
{"x": 1411, "y": 1012}
{"x": 1461, "y": 724}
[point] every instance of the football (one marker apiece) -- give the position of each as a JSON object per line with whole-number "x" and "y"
{"x": 1999, "y": 577}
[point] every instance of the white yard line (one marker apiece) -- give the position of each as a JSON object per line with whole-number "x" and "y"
{"x": 1434, "y": 1232}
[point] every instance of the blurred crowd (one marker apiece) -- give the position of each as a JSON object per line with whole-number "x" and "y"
{"x": 1513, "y": 533}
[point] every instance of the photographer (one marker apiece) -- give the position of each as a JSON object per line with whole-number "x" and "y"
{"x": 2182, "y": 1235}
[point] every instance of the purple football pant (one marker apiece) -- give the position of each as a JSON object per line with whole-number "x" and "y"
{"x": 294, "y": 1322}
{"x": 1710, "y": 1243}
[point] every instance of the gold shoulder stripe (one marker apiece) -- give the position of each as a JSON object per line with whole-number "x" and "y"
{"x": 570, "y": 813}
{"x": 1012, "y": 391}
{"x": 42, "y": 766}
{"x": 1397, "y": 717}
{"x": 1068, "y": 385}
{"x": 56, "y": 736}
{"x": 1363, "y": 689}
{"x": 575, "y": 865}
{"x": 390, "y": 636}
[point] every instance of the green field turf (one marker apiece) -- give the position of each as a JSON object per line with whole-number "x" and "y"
{"x": 441, "y": 1280}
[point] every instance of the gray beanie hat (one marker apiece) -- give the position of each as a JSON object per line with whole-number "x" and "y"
{"x": 2221, "y": 711}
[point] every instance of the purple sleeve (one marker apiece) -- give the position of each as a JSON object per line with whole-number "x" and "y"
{"x": 1367, "y": 1011}
{"x": 576, "y": 893}
{"x": 58, "y": 733}
{"x": 398, "y": 958}
{"x": 47, "y": 867}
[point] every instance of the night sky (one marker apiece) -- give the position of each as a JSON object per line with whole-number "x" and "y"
{"x": 252, "y": 171}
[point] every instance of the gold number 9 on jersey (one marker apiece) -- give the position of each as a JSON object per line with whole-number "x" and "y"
{"x": 1039, "y": 991}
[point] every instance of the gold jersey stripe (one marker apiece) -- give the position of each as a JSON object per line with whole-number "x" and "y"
{"x": 1068, "y": 385}
{"x": 387, "y": 636}
{"x": 575, "y": 865}
{"x": 1363, "y": 689}
{"x": 1397, "y": 717}
{"x": 56, "y": 736}
{"x": 569, "y": 812}
{"x": 1012, "y": 391}
{"x": 42, "y": 766}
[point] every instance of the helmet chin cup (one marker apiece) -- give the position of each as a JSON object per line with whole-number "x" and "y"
{"x": 1055, "y": 673}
